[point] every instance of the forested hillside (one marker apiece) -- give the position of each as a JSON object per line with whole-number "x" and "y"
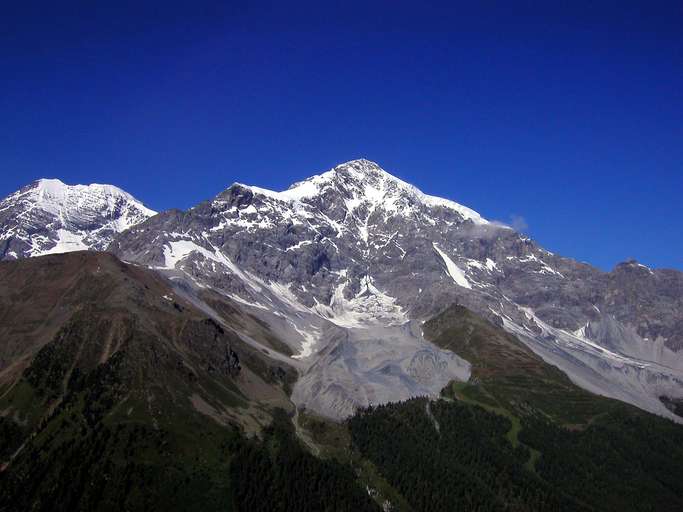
{"x": 519, "y": 436}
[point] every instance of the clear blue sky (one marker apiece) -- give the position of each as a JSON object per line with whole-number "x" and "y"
{"x": 570, "y": 117}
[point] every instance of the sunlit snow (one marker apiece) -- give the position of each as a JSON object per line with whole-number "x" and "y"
{"x": 453, "y": 270}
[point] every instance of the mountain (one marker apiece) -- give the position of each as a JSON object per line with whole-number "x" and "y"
{"x": 346, "y": 266}
{"x": 116, "y": 393}
{"x": 125, "y": 389}
{"x": 49, "y": 217}
{"x": 350, "y": 343}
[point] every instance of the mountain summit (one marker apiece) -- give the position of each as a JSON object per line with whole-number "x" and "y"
{"x": 364, "y": 183}
{"x": 48, "y": 217}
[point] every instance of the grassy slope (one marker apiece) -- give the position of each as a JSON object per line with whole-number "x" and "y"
{"x": 506, "y": 373}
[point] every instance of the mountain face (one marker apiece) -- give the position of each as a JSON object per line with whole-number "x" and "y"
{"x": 49, "y": 217}
{"x": 120, "y": 390}
{"x": 117, "y": 393}
{"x": 346, "y": 266}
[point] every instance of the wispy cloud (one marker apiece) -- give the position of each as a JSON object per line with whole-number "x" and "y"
{"x": 516, "y": 222}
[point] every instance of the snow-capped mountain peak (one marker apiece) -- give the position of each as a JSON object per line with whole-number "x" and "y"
{"x": 345, "y": 266}
{"x": 48, "y": 216}
{"x": 364, "y": 183}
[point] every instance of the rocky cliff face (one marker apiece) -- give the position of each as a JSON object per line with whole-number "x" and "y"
{"x": 346, "y": 266}
{"x": 49, "y": 217}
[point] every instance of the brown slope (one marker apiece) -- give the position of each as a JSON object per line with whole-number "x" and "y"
{"x": 65, "y": 317}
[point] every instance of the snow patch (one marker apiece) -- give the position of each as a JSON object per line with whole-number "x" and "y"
{"x": 310, "y": 337}
{"x": 370, "y": 306}
{"x": 66, "y": 242}
{"x": 545, "y": 268}
{"x": 453, "y": 270}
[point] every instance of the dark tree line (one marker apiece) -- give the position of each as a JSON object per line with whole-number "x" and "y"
{"x": 627, "y": 461}
{"x": 279, "y": 475}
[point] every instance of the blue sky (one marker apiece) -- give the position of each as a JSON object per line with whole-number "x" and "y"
{"x": 570, "y": 118}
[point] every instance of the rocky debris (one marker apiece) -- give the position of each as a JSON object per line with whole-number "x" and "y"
{"x": 233, "y": 362}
